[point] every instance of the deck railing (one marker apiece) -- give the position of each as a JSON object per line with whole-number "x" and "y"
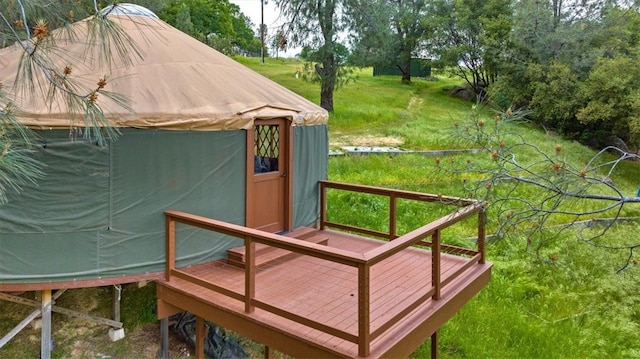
{"x": 362, "y": 261}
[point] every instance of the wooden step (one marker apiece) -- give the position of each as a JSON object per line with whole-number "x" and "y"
{"x": 266, "y": 254}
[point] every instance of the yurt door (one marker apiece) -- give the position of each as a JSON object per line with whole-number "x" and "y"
{"x": 268, "y": 183}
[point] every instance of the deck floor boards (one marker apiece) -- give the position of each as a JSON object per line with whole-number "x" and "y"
{"x": 324, "y": 291}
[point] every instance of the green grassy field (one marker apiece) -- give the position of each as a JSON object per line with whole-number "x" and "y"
{"x": 565, "y": 301}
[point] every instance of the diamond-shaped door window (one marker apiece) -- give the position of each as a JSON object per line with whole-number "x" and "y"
{"x": 266, "y": 148}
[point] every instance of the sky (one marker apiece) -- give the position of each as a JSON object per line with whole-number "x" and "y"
{"x": 272, "y": 19}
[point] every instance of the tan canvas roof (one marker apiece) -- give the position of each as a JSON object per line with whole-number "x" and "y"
{"x": 180, "y": 83}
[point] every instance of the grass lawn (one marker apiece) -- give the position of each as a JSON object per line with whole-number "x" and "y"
{"x": 564, "y": 301}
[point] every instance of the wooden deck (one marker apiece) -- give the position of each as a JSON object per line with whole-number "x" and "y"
{"x": 339, "y": 295}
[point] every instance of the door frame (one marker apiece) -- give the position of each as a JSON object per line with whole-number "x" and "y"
{"x": 286, "y": 158}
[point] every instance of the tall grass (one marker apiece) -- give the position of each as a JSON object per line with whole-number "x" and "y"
{"x": 564, "y": 300}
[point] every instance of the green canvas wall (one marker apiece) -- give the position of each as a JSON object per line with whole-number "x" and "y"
{"x": 99, "y": 210}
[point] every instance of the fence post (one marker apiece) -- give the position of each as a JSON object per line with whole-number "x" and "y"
{"x": 435, "y": 264}
{"x": 364, "y": 309}
{"x": 392, "y": 216}
{"x": 482, "y": 234}
{"x": 250, "y": 273}
{"x": 323, "y": 205}
{"x": 170, "y": 228}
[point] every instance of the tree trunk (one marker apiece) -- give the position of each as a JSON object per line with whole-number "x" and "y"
{"x": 406, "y": 70}
{"x": 326, "y": 99}
{"x": 328, "y": 83}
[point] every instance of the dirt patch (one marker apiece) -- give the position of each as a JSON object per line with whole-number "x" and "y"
{"x": 77, "y": 338}
{"x": 414, "y": 101}
{"x": 366, "y": 140}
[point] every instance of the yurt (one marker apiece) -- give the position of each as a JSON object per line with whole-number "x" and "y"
{"x": 203, "y": 135}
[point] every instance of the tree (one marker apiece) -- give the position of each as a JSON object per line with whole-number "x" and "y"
{"x": 538, "y": 194}
{"x": 183, "y": 21}
{"x": 390, "y": 32}
{"x": 244, "y": 37}
{"x": 553, "y": 100}
{"x": 612, "y": 94}
{"x": 218, "y": 23}
{"x": 28, "y": 26}
{"x": 316, "y": 24}
{"x": 470, "y": 38}
{"x": 566, "y": 63}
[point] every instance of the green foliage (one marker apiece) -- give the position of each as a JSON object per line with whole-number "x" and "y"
{"x": 138, "y": 305}
{"x": 312, "y": 71}
{"x": 471, "y": 37}
{"x": 611, "y": 94}
{"x": 571, "y": 63}
{"x": 317, "y": 25}
{"x": 390, "y": 33}
{"x": 554, "y": 95}
{"x": 218, "y": 23}
{"x": 572, "y": 189}
{"x": 17, "y": 165}
{"x": 35, "y": 27}
{"x": 532, "y": 309}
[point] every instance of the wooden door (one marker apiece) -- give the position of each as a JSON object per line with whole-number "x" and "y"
{"x": 268, "y": 180}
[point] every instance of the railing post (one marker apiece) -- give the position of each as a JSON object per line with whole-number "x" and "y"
{"x": 250, "y": 274}
{"x": 392, "y": 216}
{"x": 170, "y": 228}
{"x": 323, "y": 205}
{"x": 435, "y": 264}
{"x": 201, "y": 334}
{"x": 482, "y": 234}
{"x": 364, "y": 309}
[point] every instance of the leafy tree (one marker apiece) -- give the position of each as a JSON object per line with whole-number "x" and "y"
{"x": 279, "y": 42}
{"x": 470, "y": 38}
{"x": 316, "y": 24}
{"x": 553, "y": 101}
{"x": 544, "y": 32}
{"x": 29, "y": 26}
{"x": 611, "y": 93}
{"x": 244, "y": 37}
{"x": 345, "y": 72}
{"x": 183, "y": 21}
{"x": 390, "y": 32}
{"x": 561, "y": 64}
{"x": 218, "y": 23}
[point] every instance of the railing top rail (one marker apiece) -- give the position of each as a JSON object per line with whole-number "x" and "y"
{"x": 390, "y": 248}
{"x": 419, "y": 196}
{"x": 295, "y": 245}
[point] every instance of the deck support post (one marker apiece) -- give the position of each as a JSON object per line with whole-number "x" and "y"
{"x": 164, "y": 338}
{"x": 268, "y": 353}
{"x": 434, "y": 345}
{"x": 116, "y": 334}
{"x": 45, "y": 331}
{"x": 201, "y": 333}
{"x": 117, "y": 296}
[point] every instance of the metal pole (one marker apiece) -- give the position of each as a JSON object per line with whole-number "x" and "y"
{"x": 262, "y": 31}
{"x": 45, "y": 334}
{"x": 164, "y": 338}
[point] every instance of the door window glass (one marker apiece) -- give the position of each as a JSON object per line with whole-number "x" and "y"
{"x": 266, "y": 148}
